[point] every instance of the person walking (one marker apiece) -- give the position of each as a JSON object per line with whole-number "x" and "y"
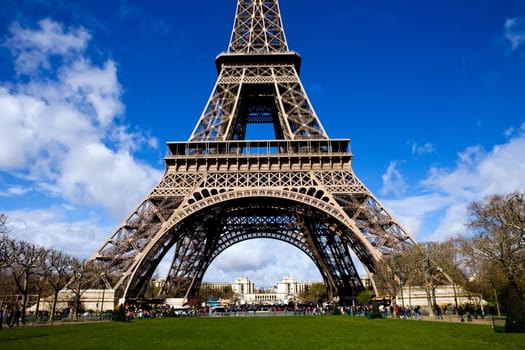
{"x": 460, "y": 314}
{"x": 16, "y": 320}
{"x": 439, "y": 312}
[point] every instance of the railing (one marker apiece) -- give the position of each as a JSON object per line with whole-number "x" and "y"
{"x": 258, "y": 147}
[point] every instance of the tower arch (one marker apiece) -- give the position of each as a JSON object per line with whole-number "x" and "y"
{"x": 201, "y": 236}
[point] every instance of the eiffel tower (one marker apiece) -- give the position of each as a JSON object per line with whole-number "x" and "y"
{"x": 220, "y": 189}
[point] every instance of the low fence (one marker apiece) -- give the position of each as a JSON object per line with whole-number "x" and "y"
{"x": 498, "y": 323}
{"x": 62, "y": 318}
{"x": 508, "y": 325}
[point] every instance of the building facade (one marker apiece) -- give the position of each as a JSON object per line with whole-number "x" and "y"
{"x": 286, "y": 291}
{"x": 446, "y": 295}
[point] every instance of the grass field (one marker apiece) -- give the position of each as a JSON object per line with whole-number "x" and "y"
{"x": 320, "y": 332}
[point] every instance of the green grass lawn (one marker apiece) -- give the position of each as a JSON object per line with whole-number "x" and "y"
{"x": 320, "y": 332}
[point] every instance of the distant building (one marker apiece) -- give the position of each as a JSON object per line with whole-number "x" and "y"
{"x": 216, "y": 286}
{"x": 443, "y": 296}
{"x": 95, "y": 300}
{"x": 287, "y": 290}
{"x": 242, "y": 286}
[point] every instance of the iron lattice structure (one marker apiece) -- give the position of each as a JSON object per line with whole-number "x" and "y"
{"x": 219, "y": 189}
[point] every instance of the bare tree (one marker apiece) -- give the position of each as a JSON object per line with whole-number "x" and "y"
{"x": 418, "y": 265}
{"x": 5, "y": 253}
{"x": 86, "y": 274}
{"x": 439, "y": 263}
{"x": 450, "y": 258}
{"x": 388, "y": 276}
{"x": 27, "y": 261}
{"x": 6, "y": 280}
{"x": 59, "y": 273}
{"x": 497, "y": 225}
{"x": 39, "y": 286}
{"x": 7, "y": 289}
{"x": 409, "y": 269}
{"x": 4, "y": 242}
{"x": 398, "y": 272}
{"x": 3, "y": 224}
{"x": 488, "y": 278}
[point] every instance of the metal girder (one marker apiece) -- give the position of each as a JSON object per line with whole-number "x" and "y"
{"x": 238, "y": 88}
{"x": 242, "y": 219}
{"x": 220, "y": 189}
{"x": 308, "y": 197}
{"x": 257, "y": 28}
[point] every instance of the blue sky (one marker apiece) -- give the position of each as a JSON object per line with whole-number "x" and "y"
{"x": 431, "y": 93}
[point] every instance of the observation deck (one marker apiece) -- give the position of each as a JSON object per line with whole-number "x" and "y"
{"x": 259, "y": 155}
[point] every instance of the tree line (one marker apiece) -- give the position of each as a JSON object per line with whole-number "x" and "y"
{"x": 488, "y": 260}
{"x": 27, "y": 269}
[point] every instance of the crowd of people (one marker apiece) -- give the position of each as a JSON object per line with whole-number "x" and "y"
{"x": 464, "y": 313}
{"x": 13, "y": 318}
{"x": 134, "y": 311}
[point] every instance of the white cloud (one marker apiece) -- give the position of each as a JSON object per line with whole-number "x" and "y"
{"x": 453, "y": 222}
{"x": 18, "y": 129}
{"x": 449, "y": 191}
{"x": 94, "y": 89}
{"x": 128, "y": 10}
{"x": 52, "y": 228}
{"x": 33, "y": 48}
{"x": 479, "y": 173}
{"x": 515, "y": 32}
{"x": 58, "y": 128}
{"x": 14, "y": 191}
{"x": 512, "y": 131}
{"x": 95, "y": 174}
{"x": 415, "y": 212}
{"x": 265, "y": 262}
{"x": 418, "y": 150}
{"x": 393, "y": 181}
